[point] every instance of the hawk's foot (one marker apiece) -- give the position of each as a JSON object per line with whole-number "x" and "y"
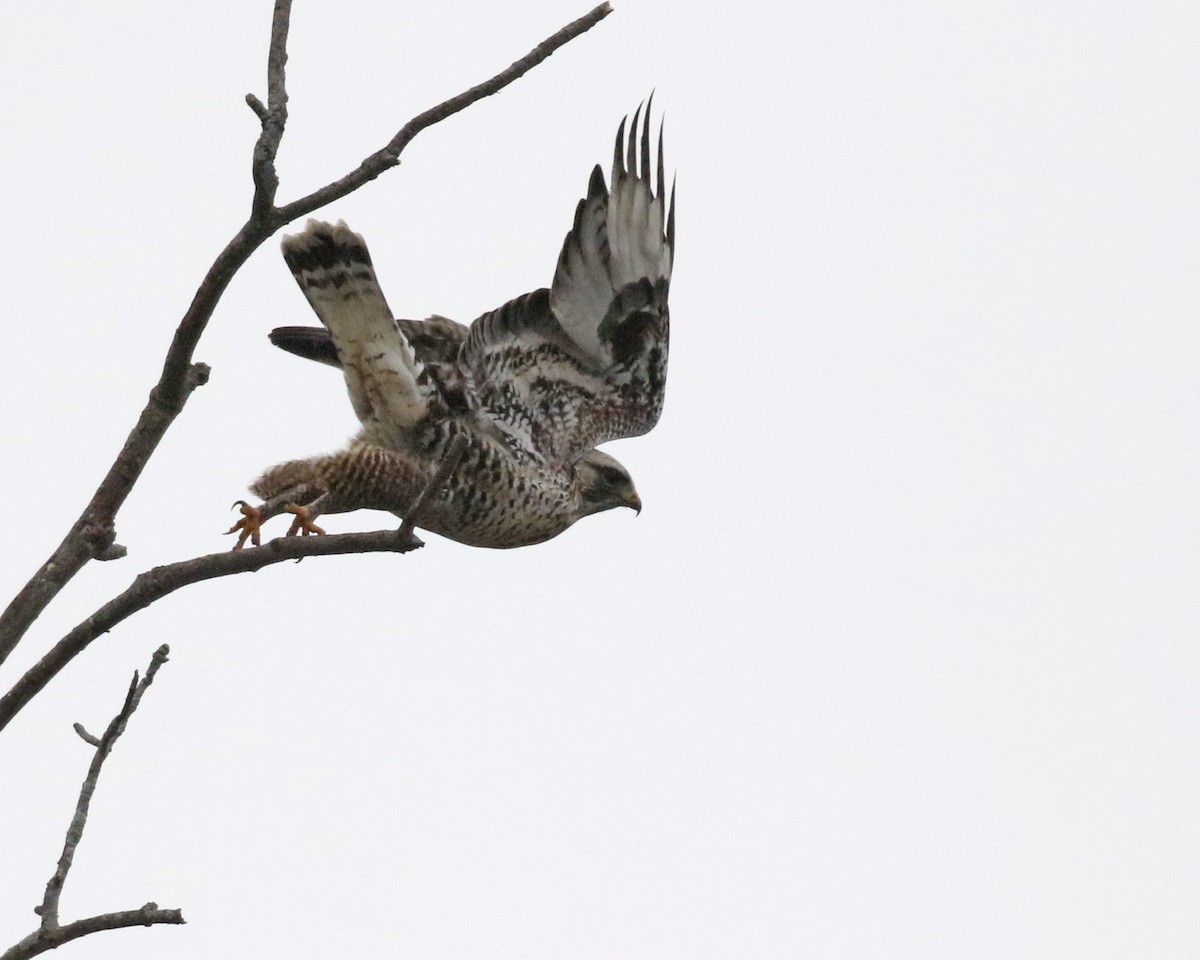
{"x": 303, "y": 524}
{"x": 249, "y": 527}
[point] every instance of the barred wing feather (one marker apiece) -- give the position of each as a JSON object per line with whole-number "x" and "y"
{"x": 584, "y": 362}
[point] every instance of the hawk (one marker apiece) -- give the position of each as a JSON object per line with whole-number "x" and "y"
{"x": 518, "y": 402}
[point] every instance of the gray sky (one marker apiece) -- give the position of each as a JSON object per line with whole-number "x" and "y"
{"x": 900, "y": 658}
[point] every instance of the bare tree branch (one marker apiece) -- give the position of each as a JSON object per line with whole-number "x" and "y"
{"x": 156, "y": 583}
{"x": 49, "y": 907}
{"x": 274, "y": 117}
{"x": 40, "y": 942}
{"x": 51, "y": 933}
{"x": 389, "y": 156}
{"x": 92, "y": 535}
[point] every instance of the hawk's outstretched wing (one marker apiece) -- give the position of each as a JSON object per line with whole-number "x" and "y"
{"x": 559, "y": 370}
{"x": 565, "y": 369}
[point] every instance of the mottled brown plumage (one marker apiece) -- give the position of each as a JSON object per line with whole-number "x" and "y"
{"x": 531, "y": 388}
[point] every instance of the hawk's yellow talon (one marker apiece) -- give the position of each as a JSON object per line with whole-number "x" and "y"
{"x": 303, "y": 524}
{"x": 249, "y": 527}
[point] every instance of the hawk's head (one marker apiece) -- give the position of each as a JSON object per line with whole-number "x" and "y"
{"x": 602, "y": 483}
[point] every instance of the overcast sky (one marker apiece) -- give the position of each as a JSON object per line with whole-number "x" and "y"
{"x": 899, "y": 660}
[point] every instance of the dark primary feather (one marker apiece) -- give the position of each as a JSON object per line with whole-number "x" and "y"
{"x": 587, "y": 363}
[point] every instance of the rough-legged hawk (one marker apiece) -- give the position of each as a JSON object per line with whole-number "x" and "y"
{"x": 523, "y": 396}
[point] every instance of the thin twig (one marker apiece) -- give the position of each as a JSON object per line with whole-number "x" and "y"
{"x": 274, "y": 117}
{"x": 51, "y": 934}
{"x": 257, "y": 106}
{"x": 93, "y": 533}
{"x": 49, "y": 907}
{"x": 389, "y": 156}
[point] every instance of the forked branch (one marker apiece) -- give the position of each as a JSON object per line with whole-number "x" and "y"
{"x": 51, "y": 933}
{"x": 156, "y": 583}
{"x": 389, "y": 155}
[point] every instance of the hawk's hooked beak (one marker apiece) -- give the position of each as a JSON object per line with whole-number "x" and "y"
{"x": 634, "y": 501}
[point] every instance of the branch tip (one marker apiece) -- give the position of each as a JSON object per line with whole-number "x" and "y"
{"x": 198, "y": 374}
{"x": 257, "y": 106}
{"x": 389, "y": 155}
{"x": 114, "y": 551}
